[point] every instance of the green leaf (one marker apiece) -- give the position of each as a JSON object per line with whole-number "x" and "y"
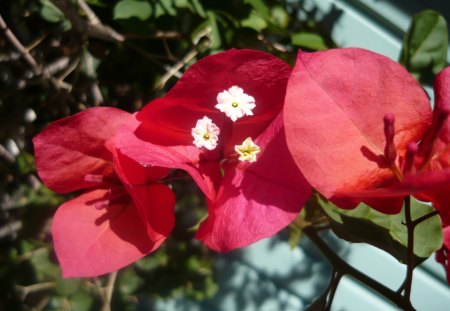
{"x": 198, "y": 8}
{"x": 211, "y": 287}
{"x": 50, "y": 12}
{"x": 308, "y": 40}
{"x": 132, "y": 8}
{"x": 216, "y": 41}
{"x": 67, "y": 287}
{"x": 255, "y": 22}
{"x": 425, "y": 44}
{"x": 25, "y": 163}
{"x": 260, "y": 8}
{"x": 280, "y": 17}
{"x": 81, "y": 301}
{"x": 295, "y": 235}
{"x": 39, "y": 258}
{"x": 165, "y": 7}
{"x": 98, "y": 3}
{"x": 387, "y": 232}
{"x": 193, "y": 5}
{"x": 150, "y": 263}
{"x": 129, "y": 281}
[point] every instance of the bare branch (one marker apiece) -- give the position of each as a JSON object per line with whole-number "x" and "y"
{"x": 37, "y": 70}
{"x": 10, "y": 229}
{"x": 175, "y": 69}
{"x": 108, "y": 290}
{"x": 96, "y": 28}
{"x": 7, "y": 155}
{"x": 72, "y": 66}
{"x": 58, "y": 65}
{"x": 19, "y": 47}
{"x": 91, "y": 26}
{"x": 25, "y": 290}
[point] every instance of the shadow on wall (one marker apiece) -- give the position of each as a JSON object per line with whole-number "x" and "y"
{"x": 267, "y": 275}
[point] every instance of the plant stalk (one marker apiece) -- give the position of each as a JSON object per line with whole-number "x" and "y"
{"x": 410, "y": 259}
{"x": 344, "y": 268}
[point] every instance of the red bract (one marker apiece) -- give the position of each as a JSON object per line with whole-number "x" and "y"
{"x": 118, "y": 219}
{"x": 247, "y": 200}
{"x": 437, "y": 158}
{"x": 353, "y": 120}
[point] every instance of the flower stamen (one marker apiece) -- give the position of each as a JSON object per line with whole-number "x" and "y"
{"x": 248, "y": 150}
{"x": 389, "y": 151}
{"x": 235, "y": 103}
{"x": 411, "y": 151}
{"x": 205, "y": 133}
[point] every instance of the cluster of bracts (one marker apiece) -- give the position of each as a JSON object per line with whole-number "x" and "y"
{"x": 256, "y": 136}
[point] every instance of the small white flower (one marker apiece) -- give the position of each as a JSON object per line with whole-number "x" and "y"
{"x": 205, "y": 133}
{"x": 235, "y": 103}
{"x": 248, "y": 150}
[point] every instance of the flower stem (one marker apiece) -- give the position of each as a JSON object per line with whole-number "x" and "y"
{"x": 336, "y": 277}
{"x": 343, "y": 268}
{"x": 424, "y": 217}
{"x": 410, "y": 259}
{"x": 108, "y": 291}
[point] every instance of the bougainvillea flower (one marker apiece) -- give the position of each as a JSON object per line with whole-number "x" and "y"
{"x": 124, "y": 213}
{"x": 251, "y": 195}
{"x": 354, "y": 129}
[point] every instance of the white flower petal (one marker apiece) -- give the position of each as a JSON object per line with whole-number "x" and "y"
{"x": 247, "y": 150}
{"x": 206, "y": 134}
{"x": 235, "y": 103}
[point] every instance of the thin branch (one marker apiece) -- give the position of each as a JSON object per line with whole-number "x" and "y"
{"x": 96, "y": 94}
{"x": 72, "y": 66}
{"x": 25, "y": 290}
{"x": 149, "y": 56}
{"x": 410, "y": 258}
{"x": 345, "y": 268}
{"x": 91, "y": 26}
{"x": 336, "y": 279}
{"x": 165, "y": 35}
{"x": 35, "y": 252}
{"x": 36, "y": 42}
{"x": 96, "y": 28}
{"x": 175, "y": 69}
{"x": 92, "y": 18}
{"x": 167, "y": 48}
{"x": 19, "y": 47}
{"x": 37, "y": 70}
{"x": 424, "y": 217}
{"x": 108, "y": 291}
{"x": 10, "y": 228}
{"x": 58, "y": 65}
{"x": 7, "y": 155}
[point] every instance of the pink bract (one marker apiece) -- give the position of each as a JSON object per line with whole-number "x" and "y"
{"x": 246, "y": 201}
{"x": 361, "y": 129}
{"x": 117, "y": 220}
{"x": 335, "y": 127}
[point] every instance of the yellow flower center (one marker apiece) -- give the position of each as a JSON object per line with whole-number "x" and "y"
{"x": 248, "y": 150}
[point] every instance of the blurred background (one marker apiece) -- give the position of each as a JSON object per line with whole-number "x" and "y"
{"x": 59, "y": 57}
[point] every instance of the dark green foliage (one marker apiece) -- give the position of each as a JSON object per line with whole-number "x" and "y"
{"x": 387, "y": 232}
{"x": 425, "y": 45}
